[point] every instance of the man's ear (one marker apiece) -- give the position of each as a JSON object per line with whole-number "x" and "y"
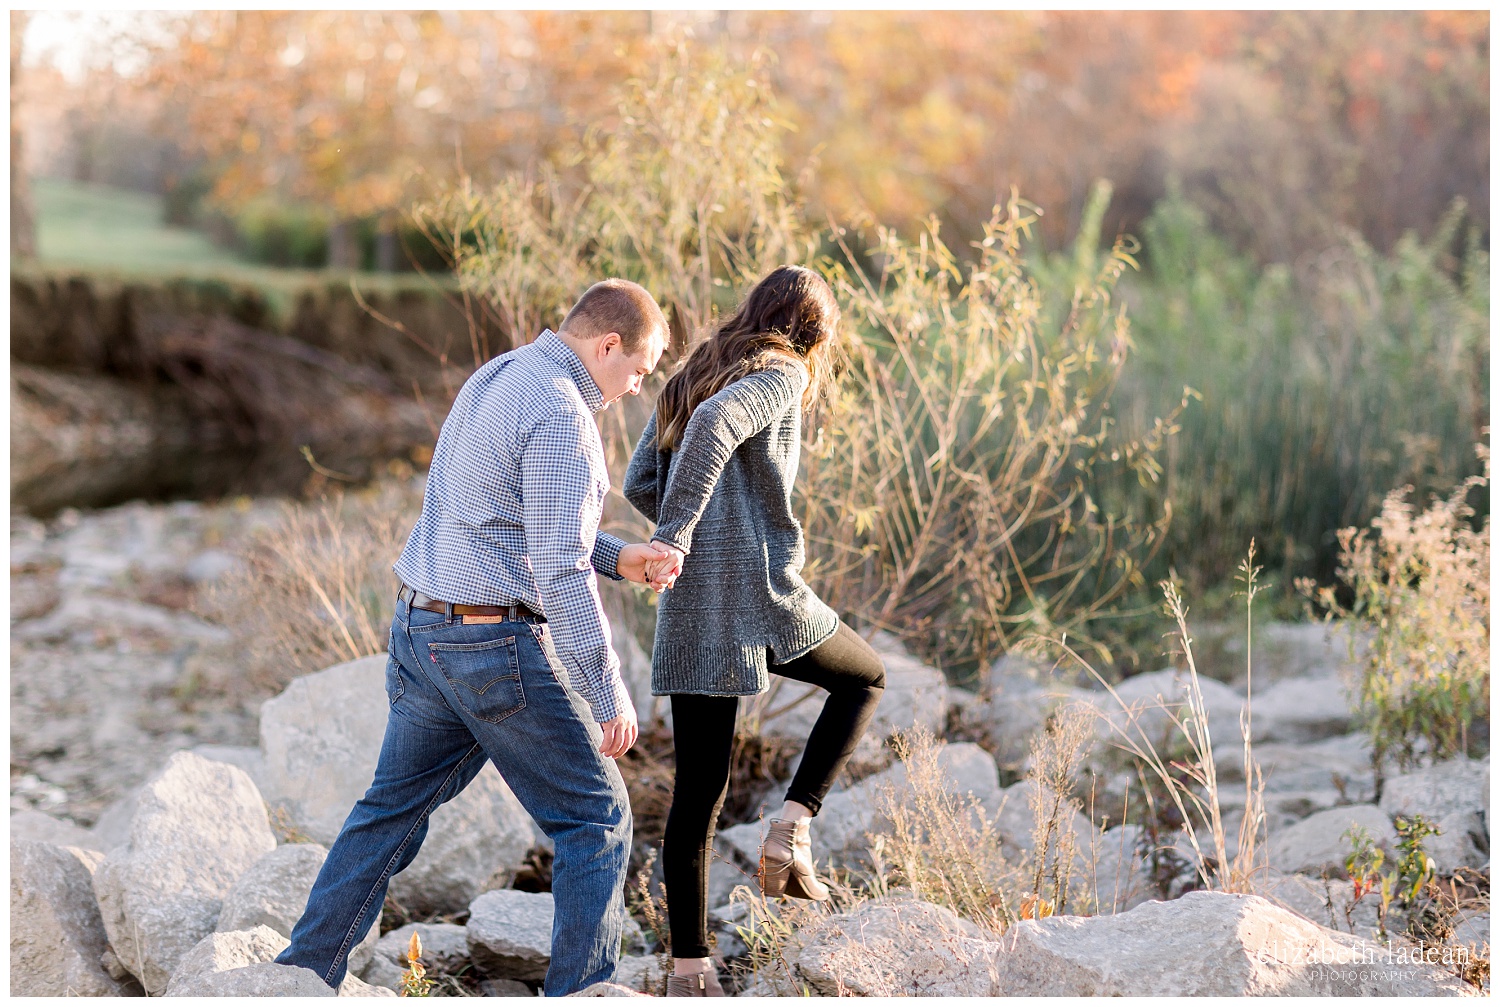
{"x": 608, "y": 342}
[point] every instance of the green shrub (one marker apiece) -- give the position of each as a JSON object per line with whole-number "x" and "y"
{"x": 1320, "y": 385}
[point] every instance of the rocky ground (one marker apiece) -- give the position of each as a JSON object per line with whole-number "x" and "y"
{"x": 165, "y": 832}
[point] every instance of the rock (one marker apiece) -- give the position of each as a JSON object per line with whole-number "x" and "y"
{"x": 1317, "y": 846}
{"x": 1301, "y": 710}
{"x": 1336, "y": 770}
{"x": 273, "y": 892}
{"x": 209, "y": 565}
{"x": 1204, "y": 944}
{"x": 505, "y": 988}
{"x": 1285, "y": 650}
{"x": 606, "y": 990}
{"x": 379, "y": 970}
{"x": 445, "y": 946}
{"x": 1016, "y": 698}
{"x": 321, "y": 740}
{"x": 199, "y": 826}
{"x": 1463, "y": 841}
{"x": 56, "y": 934}
{"x": 894, "y": 946}
{"x": 38, "y": 827}
{"x": 1456, "y": 786}
{"x": 481, "y": 833}
{"x": 633, "y": 939}
{"x": 642, "y": 973}
{"x": 222, "y": 952}
{"x": 1154, "y": 698}
{"x": 1016, "y": 821}
{"x": 510, "y": 934}
{"x": 723, "y": 923}
{"x": 1472, "y": 928}
{"x": 112, "y": 829}
{"x": 1328, "y": 902}
{"x": 352, "y": 986}
{"x": 246, "y": 757}
{"x": 266, "y": 979}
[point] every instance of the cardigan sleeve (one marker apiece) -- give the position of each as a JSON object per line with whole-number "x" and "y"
{"x": 641, "y": 476}
{"x": 719, "y": 425}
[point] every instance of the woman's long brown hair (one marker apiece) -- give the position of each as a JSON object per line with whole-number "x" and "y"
{"x": 790, "y": 315}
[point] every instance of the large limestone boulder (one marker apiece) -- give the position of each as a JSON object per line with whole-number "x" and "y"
{"x": 510, "y": 934}
{"x": 641, "y": 973}
{"x": 222, "y": 951}
{"x": 894, "y": 946}
{"x": 1203, "y": 944}
{"x": 198, "y": 827}
{"x": 1013, "y": 705}
{"x": 1328, "y": 902}
{"x": 38, "y": 827}
{"x": 1147, "y": 704}
{"x": 445, "y": 946}
{"x": 1301, "y": 710}
{"x": 1456, "y": 786}
{"x": 353, "y": 986}
{"x": 274, "y": 891}
{"x": 321, "y": 740}
{"x": 1317, "y": 845}
{"x": 266, "y": 979}
{"x": 56, "y": 934}
{"x": 607, "y": 990}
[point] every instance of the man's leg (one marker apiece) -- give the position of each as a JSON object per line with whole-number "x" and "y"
{"x": 428, "y": 756}
{"x": 545, "y": 744}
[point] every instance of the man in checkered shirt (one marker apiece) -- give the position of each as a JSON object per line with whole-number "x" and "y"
{"x": 499, "y": 605}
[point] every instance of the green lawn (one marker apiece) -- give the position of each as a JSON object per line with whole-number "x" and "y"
{"x": 94, "y": 225}
{"x": 97, "y": 229}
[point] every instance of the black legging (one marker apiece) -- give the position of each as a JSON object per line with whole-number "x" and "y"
{"x": 703, "y": 736}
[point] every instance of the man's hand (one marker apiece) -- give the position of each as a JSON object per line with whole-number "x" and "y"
{"x": 620, "y": 733}
{"x": 641, "y": 562}
{"x": 662, "y": 573}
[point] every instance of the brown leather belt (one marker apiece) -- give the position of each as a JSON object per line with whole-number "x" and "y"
{"x": 505, "y": 613}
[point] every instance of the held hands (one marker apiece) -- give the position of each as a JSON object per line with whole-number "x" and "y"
{"x": 655, "y": 563}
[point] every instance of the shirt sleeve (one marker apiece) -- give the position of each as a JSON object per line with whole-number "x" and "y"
{"x": 606, "y": 557}
{"x": 718, "y": 425}
{"x": 561, "y": 508}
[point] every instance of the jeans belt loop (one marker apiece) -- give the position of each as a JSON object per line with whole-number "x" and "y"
{"x": 448, "y": 611}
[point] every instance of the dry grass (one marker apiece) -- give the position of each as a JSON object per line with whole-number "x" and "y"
{"x": 317, "y": 589}
{"x": 942, "y": 846}
{"x": 1186, "y": 778}
{"x": 947, "y": 499}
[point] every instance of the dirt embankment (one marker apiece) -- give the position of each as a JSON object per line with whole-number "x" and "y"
{"x": 123, "y": 389}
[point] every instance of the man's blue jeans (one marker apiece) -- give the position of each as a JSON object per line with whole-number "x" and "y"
{"x": 460, "y": 694}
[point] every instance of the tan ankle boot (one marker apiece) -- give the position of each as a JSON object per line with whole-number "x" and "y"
{"x": 786, "y": 864}
{"x": 704, "y": 984}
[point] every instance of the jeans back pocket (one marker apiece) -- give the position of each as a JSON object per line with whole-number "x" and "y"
{"x": 486, "y": 677}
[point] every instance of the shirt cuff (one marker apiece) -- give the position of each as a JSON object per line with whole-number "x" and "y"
{"x": 605, "y": 702}
{"x": 606, "y": 557}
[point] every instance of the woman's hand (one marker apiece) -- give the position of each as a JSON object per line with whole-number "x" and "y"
{"x": 651, "y": 563}
{"x": 663, "y": 573}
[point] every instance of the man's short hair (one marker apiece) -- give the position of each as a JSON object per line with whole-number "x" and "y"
{"x": 616, "y": 305}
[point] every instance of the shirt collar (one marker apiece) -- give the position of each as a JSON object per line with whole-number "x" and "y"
{"x": 559, "y": 352}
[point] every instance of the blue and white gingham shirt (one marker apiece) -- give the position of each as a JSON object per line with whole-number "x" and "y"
{"x": 512, "y": 508}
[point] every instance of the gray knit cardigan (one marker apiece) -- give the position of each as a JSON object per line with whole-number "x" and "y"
{"x": 724, "y": 497}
